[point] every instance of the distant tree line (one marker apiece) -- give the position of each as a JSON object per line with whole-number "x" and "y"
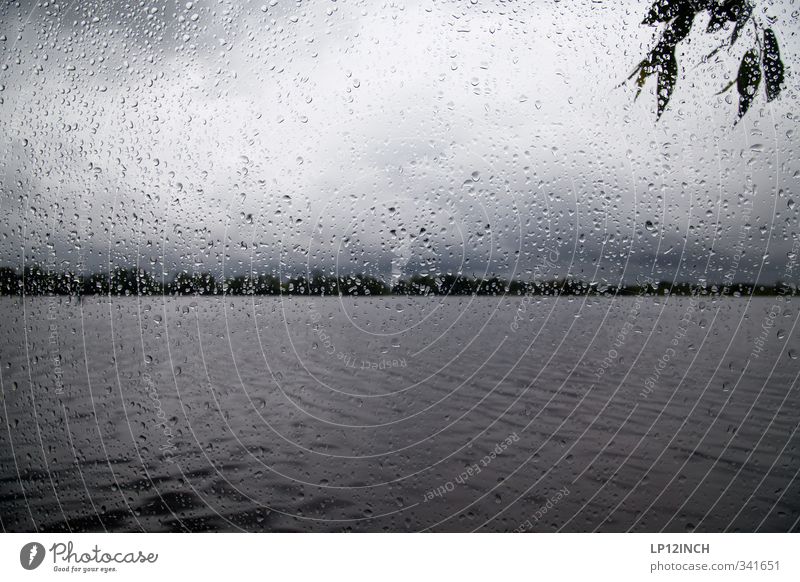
{"x": 124, "y": 282}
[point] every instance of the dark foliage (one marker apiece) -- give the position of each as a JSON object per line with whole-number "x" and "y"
{"x": 132, "y": 282}
{"x": 677, "y": 18}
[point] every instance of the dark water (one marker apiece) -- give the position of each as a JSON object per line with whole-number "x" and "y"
{"x": 395, "y": 414}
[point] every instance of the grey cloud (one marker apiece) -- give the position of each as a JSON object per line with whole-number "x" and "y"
{"x": 243, "y": 137}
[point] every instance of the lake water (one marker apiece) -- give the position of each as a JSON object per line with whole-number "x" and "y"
{"x": 399, "y": 414}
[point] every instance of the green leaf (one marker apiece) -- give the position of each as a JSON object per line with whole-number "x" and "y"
{"x": 714, "y": 52}
{"x": 717, "y": 20}
{"x": 638, "y": 69}
{"x": 642, "y": 71}
{"x": 772, "y": 65}
{"x": 667, "y": 77}
{"x": 734, "y": 9}
{"x": 661, "y": 53}
{"x": 680, "y": 26}
{"x": 741, "y": 19}
{"x": 663, "y": 11}
{"x": 747, "y": 80}
{"x": 640, "y": 81}
{"x": 726, "y": 87}
{"x": 726, "y": 11}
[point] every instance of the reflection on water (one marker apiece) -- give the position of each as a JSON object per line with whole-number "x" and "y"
{"x": 388, "y": 414}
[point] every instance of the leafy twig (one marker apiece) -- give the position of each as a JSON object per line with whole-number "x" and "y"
{"x": 677, "y": 17}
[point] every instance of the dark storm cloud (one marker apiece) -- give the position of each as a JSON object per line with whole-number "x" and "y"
{"x": 277, "y": 135}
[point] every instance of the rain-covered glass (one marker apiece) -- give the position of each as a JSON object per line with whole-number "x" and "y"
{"x": 324, "y": 265}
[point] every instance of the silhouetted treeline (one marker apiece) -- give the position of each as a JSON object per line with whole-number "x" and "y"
{"x": 454, "y": 285}
{"x": 121, "y": 282}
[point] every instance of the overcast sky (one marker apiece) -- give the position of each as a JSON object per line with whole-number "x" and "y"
{"x": 475, "y": 137}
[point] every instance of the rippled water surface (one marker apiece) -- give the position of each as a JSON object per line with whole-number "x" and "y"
{"x": 394, "y": 414}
